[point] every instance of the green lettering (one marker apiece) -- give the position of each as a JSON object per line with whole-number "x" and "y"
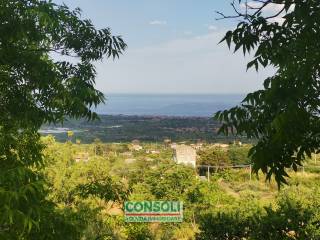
{"x": 165, "y": 206}
{"x": 179, "y": 206}
{"x": 156, "y": 207}
{"x": 138, "y": 207}
{"x": 127, "y": 207}
{"x": 147, "y": 206}
{"x": 173, "y": 206}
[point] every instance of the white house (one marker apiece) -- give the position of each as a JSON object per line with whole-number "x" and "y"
{"x": 184, "y": 154}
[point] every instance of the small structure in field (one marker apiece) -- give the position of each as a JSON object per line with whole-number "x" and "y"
{"x": 237, "y": 143}
{"x": 173, "y": 145}
{"x": 153, "y": 151}
{"x": 184, "y": 154}
{"x": 197, "y": 146}
{"x": 130, "y": 160}
{"x": 135, "y": 145}
{"x": 126, "y": 154}
{"x": 167, "y": 142}
{"x": 220, "y": 145}
{"x": 82, "y": 157}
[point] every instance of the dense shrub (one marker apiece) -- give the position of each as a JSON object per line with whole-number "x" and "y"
{"x": 239, "y": 154}
{"x": 294, "y": 216}
{"x": 89, "y": 197}
{"x": 214, "y": 156}
{"x": 231, "y": 222}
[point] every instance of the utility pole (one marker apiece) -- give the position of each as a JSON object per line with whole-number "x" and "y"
{"x": 208, "y": 173}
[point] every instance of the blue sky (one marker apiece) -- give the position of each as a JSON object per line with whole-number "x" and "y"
{"x": 172, "y": 47}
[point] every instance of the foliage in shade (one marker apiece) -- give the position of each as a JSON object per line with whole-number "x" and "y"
{"x": 104, "y": 188}
{"x": 284, "y": 115}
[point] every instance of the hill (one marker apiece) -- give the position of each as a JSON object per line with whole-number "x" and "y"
{"x": 90, "y": 182}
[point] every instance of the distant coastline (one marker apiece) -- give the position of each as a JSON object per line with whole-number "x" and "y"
{"x": 151, "y": 117}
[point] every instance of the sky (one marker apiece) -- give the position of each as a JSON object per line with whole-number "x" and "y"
{"x": 172, "y": 47}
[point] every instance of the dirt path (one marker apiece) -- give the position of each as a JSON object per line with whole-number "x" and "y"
{"x": 225, "y": 186}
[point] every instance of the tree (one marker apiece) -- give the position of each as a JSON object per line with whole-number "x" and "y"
{"x": 284, "y": 115}
{"x": 84, "y": 192}
{"x": 98, "y": 147}
{"x": 239, "y": 155}
{"x": 171, "y": 181}
{"x": 213, "y": 156}
{"x": 39, "y": 86}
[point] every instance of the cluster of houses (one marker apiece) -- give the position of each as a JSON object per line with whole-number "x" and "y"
{"x": 183, "y": 154}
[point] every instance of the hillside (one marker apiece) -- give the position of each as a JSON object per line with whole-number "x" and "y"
{"x": 92, "y": 181}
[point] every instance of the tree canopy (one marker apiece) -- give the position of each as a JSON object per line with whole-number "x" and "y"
{"x": 37, "y": 87}
{"x": 47, "y": 54}
{"x": 284, "y": 115}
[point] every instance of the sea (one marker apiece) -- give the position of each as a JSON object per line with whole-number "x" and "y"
{"x": 188, "y": 105}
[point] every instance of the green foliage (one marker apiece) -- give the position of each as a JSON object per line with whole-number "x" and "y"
{"x": 171, "y": 181}
{"x": 104, "y": 188}
{"x": 26, "y": 213}
{"x": 139, "y": 171}
{"x": 208, "y": 194}
{"x": 53, "y": 224}
{"x": 138, "y": 231}
{"x": 21, "y": 187}
{"x": 122, "y": 128}
{"x": 37, "y": 88}
{"x": 239, "y": 154}
{"x": 84, "y": 191}
{"x": 226, "y": 225}
{"x": 294, "y": 216}
{"x": 213, "y": 156}
{"x": 90, "y": 196}
{"x": 284, "y": 116}
{"x": 98, "y": 147}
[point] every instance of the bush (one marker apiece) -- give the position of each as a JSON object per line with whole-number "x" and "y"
{"x": 295, "y": 215}
{"x": 138, "y": 231}
{"x": 213, "y": 156}
{"x": 239, "y": 154}
{"x": 225, "y": 224}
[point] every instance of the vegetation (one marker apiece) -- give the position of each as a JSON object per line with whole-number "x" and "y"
{"x": 90, "y": 192}
{"x": 284, "y": 116}
{"x": 37, "y": 88}
{"x": 54, "y": 190}
{"x": 122, "y": 128}
{"x": 214, "y": 156}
